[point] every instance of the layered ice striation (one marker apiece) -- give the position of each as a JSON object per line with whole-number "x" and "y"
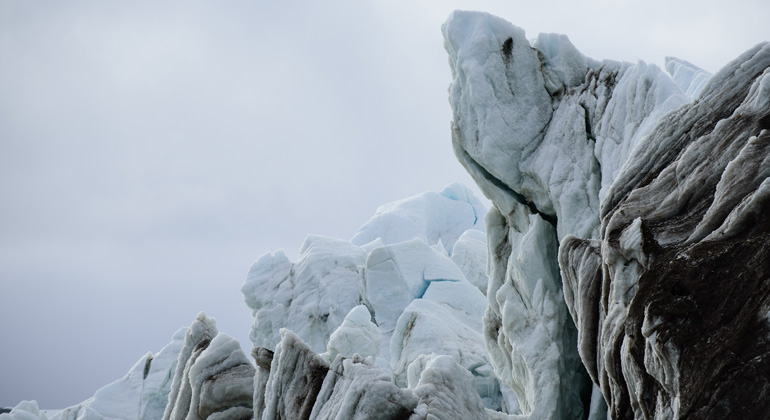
{"x": 397, "y": 293}
{"x": 618, "y": 191}
{"x": 672, "y": 299}
{"x": 213, "y": 377}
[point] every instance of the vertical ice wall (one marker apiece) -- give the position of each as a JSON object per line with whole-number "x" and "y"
{"x": 657, "y": 207}
{"x": 544, "y": 131}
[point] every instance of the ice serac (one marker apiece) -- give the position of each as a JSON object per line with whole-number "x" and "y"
{"x": 354, "y": 388}
{"x": 397, "y": 292}
{"x": 311, "y": 297}
{"x": 470, "y": 254}
{"x": 303, "y": 386}
{"x": 672, "y": 300}
{"x": 445, "y": 392}
{"x": 213, "y": 379}
{"x": 690, "y": 78}
{"x": 24, "y": 410}
{"x": 296, "y": 376}
{"x": 545, "y": 131}
{"x": 201, "y": 374}
{"x": 623, "y": 202}
{"x": 357, "y": 335}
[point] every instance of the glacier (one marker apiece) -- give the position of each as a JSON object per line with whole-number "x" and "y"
{"x": 622, "y": 270}
{"x": 631, "y": 199}
{"x": 395, "y": 294}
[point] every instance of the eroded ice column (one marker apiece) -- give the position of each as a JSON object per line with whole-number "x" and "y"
{"x": 214, "y": 378}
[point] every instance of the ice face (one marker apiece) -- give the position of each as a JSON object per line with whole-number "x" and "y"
{"x": 654, "y": 206}
{"x": 544, "y": 131}
{"x": 432, "y": 217}
{"x": 213, "y": 377}
{"x": 470, "y": 255}
{"x": 641, "y": 193}
{"x": 357, "y": 335}
{"x": 679, "y": 244}
{"x": 689, "y": 77}
{"x": 311, "y": 296}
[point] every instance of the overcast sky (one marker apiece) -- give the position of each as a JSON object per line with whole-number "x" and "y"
{"x": 150, "y": 151}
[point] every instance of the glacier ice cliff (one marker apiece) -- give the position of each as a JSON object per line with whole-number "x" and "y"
{"x": 678, "y": 282}
{"x": 629, "y": 224}
{"x": 623, "y": 269}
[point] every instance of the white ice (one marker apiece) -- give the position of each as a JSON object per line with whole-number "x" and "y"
{"x": 544, "y": 131}
{"x": 690, "y": 78}
{"x": 25, "y": 410}
{"x": 430, "y": 216}
{"x": 350, "y": 297}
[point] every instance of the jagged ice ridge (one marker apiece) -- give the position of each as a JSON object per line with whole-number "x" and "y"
{"x": 625, "y": 269}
